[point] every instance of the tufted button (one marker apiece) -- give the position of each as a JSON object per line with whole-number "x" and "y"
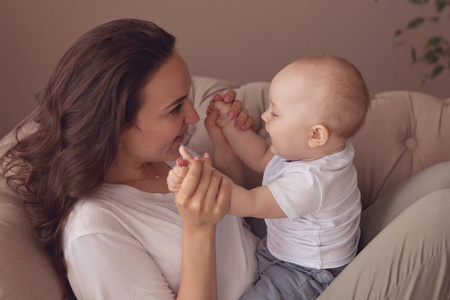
{"x": 447, "y": 101}
{"x": 411, "y": 143}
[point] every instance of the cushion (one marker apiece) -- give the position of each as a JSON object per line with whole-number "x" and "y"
{"x": 404, "y": 133}
{"x": 26, "y": 271}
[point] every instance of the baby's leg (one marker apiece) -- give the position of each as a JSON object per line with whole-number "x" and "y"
{"x": 283, "y": 280}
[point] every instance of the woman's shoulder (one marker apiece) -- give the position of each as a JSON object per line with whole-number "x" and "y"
{"x": 89, "y": 215}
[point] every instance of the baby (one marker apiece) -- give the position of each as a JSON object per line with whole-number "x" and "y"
{"x": 309, "y": 196}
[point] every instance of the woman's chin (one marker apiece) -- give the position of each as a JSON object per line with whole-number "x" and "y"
{"x": 174, "y": 151}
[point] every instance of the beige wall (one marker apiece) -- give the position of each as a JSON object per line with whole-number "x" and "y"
{"x": 240, "y": 40}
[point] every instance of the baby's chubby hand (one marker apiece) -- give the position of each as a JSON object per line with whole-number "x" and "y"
{"x": 176, "y": 176}
{"x": 229, "y": 109}
{"x": 223, "y": 108}
{"x": 178, "y": 173}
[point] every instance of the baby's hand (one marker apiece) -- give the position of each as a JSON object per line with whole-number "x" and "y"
{"x": 223, "y": 108}
{"x": 228, "y": 107}
{"x": 176, "y": 176}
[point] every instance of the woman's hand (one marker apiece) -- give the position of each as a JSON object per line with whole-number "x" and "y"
{"x": 203, "y": 198}
{"x": 241, "y": 116}
{"x": 228, "y": 163}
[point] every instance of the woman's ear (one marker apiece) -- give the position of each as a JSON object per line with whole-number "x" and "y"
{"x": 319, "y": 136}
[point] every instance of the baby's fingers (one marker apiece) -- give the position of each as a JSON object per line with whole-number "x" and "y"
{"x": 180, "y": 171}
{"x": 173, "y": 182}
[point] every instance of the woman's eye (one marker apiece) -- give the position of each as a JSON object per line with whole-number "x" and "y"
{"x": 176, "y": 109}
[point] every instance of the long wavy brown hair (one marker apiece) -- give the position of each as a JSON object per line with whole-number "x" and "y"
{"x": 92, "y": 97}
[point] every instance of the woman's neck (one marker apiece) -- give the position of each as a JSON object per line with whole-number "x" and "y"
{"x": 148, "y": 177}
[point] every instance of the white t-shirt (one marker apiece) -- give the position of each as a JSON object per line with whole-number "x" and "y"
{"x": 322, "y": 203}
{"x": 123, "y": 243}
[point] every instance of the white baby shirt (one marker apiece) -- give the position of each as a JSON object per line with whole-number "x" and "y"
{"x": 322, "y": 203}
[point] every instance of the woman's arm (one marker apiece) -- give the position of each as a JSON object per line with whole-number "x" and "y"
{"x": 248, "y": 145}
{"x": 225, "y": 159}
{"x": 202, "y": 200}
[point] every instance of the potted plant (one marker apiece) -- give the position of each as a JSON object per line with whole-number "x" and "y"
{"x": 436, "y": 50}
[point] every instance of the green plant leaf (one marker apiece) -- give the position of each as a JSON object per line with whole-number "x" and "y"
{"x": 413, "y": 54}
{"x": 438, "y": 70}
{"x": 441, "y": 4}
{"x": 434, "y": 41}
{"x": 415, "y": 23}
{"x": 431, "y": 57}
{"x": 398, "y": 32}
{"x": 434, "y": 19}
{"x": 439, "y": 51}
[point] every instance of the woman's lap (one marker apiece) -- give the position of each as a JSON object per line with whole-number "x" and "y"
{"x": 407, "y": 249}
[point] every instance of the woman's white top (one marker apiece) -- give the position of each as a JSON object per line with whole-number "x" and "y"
{"x": 322, "y": 203}
{"x": 123, "y": 243}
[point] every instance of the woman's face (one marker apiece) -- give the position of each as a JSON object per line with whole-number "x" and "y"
{"x": 164, "y": 117}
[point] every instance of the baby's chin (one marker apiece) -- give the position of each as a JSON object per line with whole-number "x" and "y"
{"x": 273, "y": 150}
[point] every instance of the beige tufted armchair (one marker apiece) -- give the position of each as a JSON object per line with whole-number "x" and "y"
{"x": 405, "y": 133}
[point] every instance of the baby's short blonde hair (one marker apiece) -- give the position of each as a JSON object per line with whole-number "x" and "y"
{"x": 345, "y": 94}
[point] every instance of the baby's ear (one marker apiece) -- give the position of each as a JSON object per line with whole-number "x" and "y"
{"x": 319, "y": 135}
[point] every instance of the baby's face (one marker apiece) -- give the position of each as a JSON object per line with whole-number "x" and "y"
{"x": 294, "y": 109}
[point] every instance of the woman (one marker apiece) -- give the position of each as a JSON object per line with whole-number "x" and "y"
{"x": 109, "y": 125}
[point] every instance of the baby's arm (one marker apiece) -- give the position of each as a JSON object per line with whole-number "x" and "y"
{"x": 248, "y": 145}
{"x": 258, "y": 202}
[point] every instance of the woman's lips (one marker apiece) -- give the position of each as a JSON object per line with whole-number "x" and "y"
{"x": 179, "y": 139}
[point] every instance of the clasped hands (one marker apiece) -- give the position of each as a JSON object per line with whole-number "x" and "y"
{"x": 202, "y": 194}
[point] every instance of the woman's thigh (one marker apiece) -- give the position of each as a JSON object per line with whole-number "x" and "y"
{"x": 409, "y": 259}
{"x": 376, "y": 217}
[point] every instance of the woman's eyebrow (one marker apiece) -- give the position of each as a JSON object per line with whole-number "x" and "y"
{"x": 176, "y": 101}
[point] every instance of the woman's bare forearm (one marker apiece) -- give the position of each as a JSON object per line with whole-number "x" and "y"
{"x": 198, "y": 264}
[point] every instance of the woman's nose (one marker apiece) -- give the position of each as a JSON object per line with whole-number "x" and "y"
{"x": 192, "y": 116}
{"x": 264, "y": 116}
